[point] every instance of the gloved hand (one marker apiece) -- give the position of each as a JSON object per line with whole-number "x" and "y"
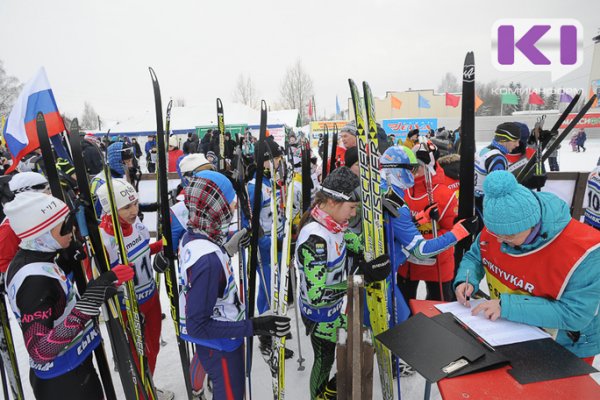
{"x": 535, "y": 181}
{"x": 75, "y": 251}
{"x": 160, "y": 263}
{"x": 465, "y": 227}
{"x": 377, "y": 269}
{"x": 240, "y": 238}
{"x": 424, "y": 155}
{"x": 156, "y": 247}
{"x": 392, "y": 202}
{"x": 430, "y": 213}
{"x": 271, "y": 325}
{"x": 103, "y": 288}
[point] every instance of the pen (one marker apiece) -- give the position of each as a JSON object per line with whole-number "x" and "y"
{"x": 473, "y": 334}
{"x": 466, "y": 284}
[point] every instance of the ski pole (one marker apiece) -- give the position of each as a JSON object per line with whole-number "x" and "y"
{"x": 296, "y": 307}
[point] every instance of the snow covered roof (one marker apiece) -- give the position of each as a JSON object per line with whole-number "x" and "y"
{"x": 186, "y": 119}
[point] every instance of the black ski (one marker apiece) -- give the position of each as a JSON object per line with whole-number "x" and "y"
{"x": 307, "y": 183}
{"x": 466, "y": 204}
{"x": 324, "y": 156}
{"x": 255, "y": 222}
{"x": 334, "y": 143}
{"x": 55, "y": 187}
{"x": 91, "y": 235}
{"x": 221, "y": 127}
{"x": 165, "y": 232}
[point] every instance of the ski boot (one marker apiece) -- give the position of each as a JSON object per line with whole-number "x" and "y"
{"x": 330, "y": 390}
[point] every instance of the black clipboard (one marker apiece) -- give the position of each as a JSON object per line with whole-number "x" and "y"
{"x": 489, "y": 360}
{"x": 430, "y": 348}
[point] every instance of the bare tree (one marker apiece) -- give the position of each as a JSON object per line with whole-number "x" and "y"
{"x": 89, "y": 118}
{"x": 296, "y": 89}
{"x": 10, "y": 87}
{"x": 245, "y": 92}
{"x": 449, "y": 84}
{"x": 179, "y": 102}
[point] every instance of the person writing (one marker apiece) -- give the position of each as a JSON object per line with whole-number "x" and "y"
{"x": 541, "y": 265}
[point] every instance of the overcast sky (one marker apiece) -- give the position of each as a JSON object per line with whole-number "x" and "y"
{"x": 99, "y": 51}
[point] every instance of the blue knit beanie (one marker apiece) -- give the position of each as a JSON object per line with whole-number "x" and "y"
{"x": 221, "y": 181}
{"x": 508, "y": 207}
{"x": 115, "y": 158}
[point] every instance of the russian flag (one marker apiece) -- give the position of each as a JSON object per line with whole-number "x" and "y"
{"x": 20, "y": 131}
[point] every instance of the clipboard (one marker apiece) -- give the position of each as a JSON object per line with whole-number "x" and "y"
{"x": 489, "y": 360}
{"x": 430, "y": 348}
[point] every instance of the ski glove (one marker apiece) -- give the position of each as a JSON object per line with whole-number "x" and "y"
{"x": 377, "y": 269}
{"x": 240, "y": 238}
{"x": 430, "y": 213}
{"x": 535, "y": 182}
{"x": 160, "y": 263}
{"x": 271, "y": 325}
{"x": 103, "y": 288}
{"x": 392, "y": 202}
{"x": 465, "y": 227}
{"x": 156, "y": 247}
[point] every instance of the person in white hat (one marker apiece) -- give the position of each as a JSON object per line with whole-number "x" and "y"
{"x": 139, "y": 249}
{"x": 58, "y": 327}
{"x": 174, "y": 153}
{"x": 9, "y": 242}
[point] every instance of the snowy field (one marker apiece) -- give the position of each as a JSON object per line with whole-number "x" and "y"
{"x": 169, "y": 375}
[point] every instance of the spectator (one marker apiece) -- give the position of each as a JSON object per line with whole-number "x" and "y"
{"x": 581, "y": 138}
{"x": 137, "y": 150}
{"x": 412, "y": 138}
{"x": 174, "y": 153}
{"x": 205, "y": 142}
{"x": 191, "y": 145}
{"x": 229, "y": 146}
{"x": 151, "y": 155}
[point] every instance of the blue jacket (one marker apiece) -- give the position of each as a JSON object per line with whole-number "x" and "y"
{"x": 577, "y": 309}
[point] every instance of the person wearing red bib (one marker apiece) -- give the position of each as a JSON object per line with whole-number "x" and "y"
{"x": 541, "y": 265}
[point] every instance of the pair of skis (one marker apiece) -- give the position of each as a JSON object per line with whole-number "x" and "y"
{"x": 372, "y": 223}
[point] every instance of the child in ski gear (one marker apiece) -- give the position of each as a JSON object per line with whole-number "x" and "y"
{"x": 58, "y": 327}
{"x": 139, "y": 250}
{"x": 581, "y": 138}
{"x": 321, "y": 262}
{"x": 212, "y": 315}
{"x": 493, "y": 157}
{"x": 438, "y": 271}
{"x": 541, "y": 265}
{"x": 397, "y": 163}
{"x": 592, "y": 199}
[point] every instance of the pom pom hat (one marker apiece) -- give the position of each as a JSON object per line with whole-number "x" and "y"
{"x": 508, "y": 207}
{"x": 125, "y": 194}
{"x": 32, "y": 214}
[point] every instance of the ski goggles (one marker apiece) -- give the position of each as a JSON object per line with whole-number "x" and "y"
{"x": 68, "y": 224}
{"x": 412, "y": 167}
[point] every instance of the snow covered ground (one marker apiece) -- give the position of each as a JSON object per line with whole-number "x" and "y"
{"x": 168, "y": 372}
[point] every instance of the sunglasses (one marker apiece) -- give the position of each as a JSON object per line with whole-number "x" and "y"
{"x": 68, "y": 224}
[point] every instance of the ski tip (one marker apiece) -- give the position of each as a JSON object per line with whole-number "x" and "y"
{"x": 263, "y": 105}
{"x": 74, "y": 128}
{"x": 40, "y": 117}
{"x": 152, "y": 74}
{"x": 470, "y": 58}
{"x": 219, "y": 103}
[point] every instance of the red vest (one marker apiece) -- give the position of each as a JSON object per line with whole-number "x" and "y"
{"x": 518, "y": 161}
{"x": 543, "y": 272}
{"x": 416, "y": 199}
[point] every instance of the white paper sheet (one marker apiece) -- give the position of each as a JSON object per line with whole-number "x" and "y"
{"x": 496, "y": 333}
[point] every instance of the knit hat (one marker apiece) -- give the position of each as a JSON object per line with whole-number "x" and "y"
{"x": 413, "y": 133}
{"x": 271, "y": 148}
{"x": 351, "y": 156}
{"x": 173, "y": 142}
{"x": 342, "y": 185}
{"x": 192, "y": 162}
{"x": 222, "y": 182}
{"x": 28, "y": 181}
{"x": 32, "y": 214}
{"x": 508, "y": 207}
{"x": 350, "y": 127}
{"x": 507, "y": 132}
{"x": 125, "y": 194}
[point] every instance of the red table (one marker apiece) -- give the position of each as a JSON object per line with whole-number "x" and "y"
{"x": 499, "y": 384}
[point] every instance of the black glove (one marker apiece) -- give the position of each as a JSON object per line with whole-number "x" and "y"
{"x": 96, "y": 293}
{"x": 423, "y": 155}
{"x": 466, "y": 227}
{"x": 75, "y": 251}
{"x": 535, "y": 181}
{"x": 271, "y": 325}
{"x": 392, "y": 202}
{"x": 160, "y": 263}
{"x": 377, "y": 269}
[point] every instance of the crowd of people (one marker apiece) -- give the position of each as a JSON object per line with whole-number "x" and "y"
{"x": 539, "y": 262}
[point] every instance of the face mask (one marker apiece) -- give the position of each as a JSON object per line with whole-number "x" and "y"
{"x": 44, "y": 243}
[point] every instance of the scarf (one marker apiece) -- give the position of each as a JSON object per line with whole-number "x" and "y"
{"x": 210, "y": 214}
{"x": 325, "y": 219}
